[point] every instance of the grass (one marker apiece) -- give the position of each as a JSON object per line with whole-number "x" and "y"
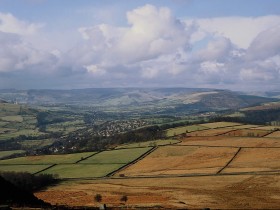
{"x": 9, "y": 109}
{"x": 183, "y": 129}
{"x": 82, "y": 170}
{"x": 26, "y": 132}
{"x": 48, "y": 159}
{"x": 66, "y": 127}
{"x": 220, "y": 124}
{"x": 23, "y": 168}
{"x": 149, "y": 143}
{"x": 15, "y": 118}
{"x": 11, "y": 152}
{"x": 121, "y": 156}
{"x": 31, "y": 144}
{"x": 248, "y": 132}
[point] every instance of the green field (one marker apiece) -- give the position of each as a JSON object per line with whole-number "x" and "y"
{"x": 31, "y": 144}
{"x": 26, "y": 132}
{"x": 48, "y": 159}
{"x": 23, "y": 168}
{"x": 15, "y": 118}
{"x": 7, "y": 109}
{"x": 120, "y": 156}
{"x": 11, "y": 152}
{"x": 82, "y": 170}
{"x": 149, "y": 143}
{"x": 66, "y": 127}
{"x": 183, "y": 129}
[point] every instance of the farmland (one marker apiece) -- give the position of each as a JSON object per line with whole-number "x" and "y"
{"x": 48, "y": 159}
{"x": 181, "y": 160}
{"x": 184, "y": 129}
{"x": 149, "y": 143}
{"x": 219, "y": 166}
{"x": 11, "y": 152}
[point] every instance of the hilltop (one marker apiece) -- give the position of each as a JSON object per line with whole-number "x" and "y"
{"x": 163, "y": 100}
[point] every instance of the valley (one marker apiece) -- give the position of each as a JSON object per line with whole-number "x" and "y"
{"x": 192, "y": 157}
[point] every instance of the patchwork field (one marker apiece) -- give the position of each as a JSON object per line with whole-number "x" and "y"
{"x": 82, "y": 170}
{"x": 219, "y": 124}
{"x": 149, "y": 143}
{"x": 23, "y": 168}
{"x": 120, "y": 156}
{"x": 248, "y": 132}
{"x": 230, "y": 141}
{"x": 221, "y": 166}
{"x": 48, "y": 159}
{"x": 181, "y": 160}
{"x": 210, "y": 132}
{"x": 11, "y": 152}
{"x": 77, "y": 165}
{"x": 255, "y": 159}
{"x": 184, "y": 129}
{"x": 274, "y": 134}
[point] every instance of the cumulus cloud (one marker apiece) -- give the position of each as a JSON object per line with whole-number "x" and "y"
{"x": 152, "y": 32}
{"x": 10, "y": 24}
{"x": 240, "y": 30}
{"x": 155, "y": 48}
{"x": 266, "y": 44}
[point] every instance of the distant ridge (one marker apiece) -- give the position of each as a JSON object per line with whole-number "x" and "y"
{"x": 169, "y": 99}
{"x": 3, "y": 101}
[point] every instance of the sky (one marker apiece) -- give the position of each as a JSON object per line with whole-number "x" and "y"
{"x": 71, "y": 44}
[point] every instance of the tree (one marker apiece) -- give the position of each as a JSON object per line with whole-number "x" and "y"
{"x": 124, "y": 198}
{"x": 98, "y": 198}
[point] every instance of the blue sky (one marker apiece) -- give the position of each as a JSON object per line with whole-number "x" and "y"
{"x": 231, "y": 44}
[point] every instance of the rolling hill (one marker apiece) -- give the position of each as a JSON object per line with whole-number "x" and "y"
{"x": 162, "y": 99}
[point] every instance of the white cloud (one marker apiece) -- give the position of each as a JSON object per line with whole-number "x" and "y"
{"x": 15, "y": 52}
{"x": 10, "y": 24}
{"x": 155, "y": 48}
{"x": 266, "y": 44}
{"x": 240, "y": 30}
{"x": 93, "y": 69}
{"x": 152, "y": 32}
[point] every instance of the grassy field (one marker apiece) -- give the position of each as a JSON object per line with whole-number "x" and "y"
{"x": 15, "y": 118}
{"x": 157, "y": 179}
{"x": 26, "y": 132}
{"x": 23, "y": 168}
{"x": 149, "y": 143}
{"x": 255, "y": 159}
{"x": 271, "y": 128}
{"x": 181, "y": 160}
{"x": 11, "y": 152}
{"x": 7, "y": 109}
{"x": 120, "y": 156}
{"x": 275, "y": 134}
{"x": 248, "y": 132}
{"x": 230, "y": 141}
{"x": 183, "y": 129}
{"x": 245, "y": 127}
{"x": 48, "y": 159}
{"x": 210, "y": 132}
{"x": 31, "y": 144}
{"x": 82, "y": 170}
{"x": 219, "y": 124}
{"x": 66, "y": 127}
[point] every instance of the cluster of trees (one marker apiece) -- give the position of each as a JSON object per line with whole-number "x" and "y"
{"x": 260, "y": 117}
{"x": 29, "y": 182}
{"x": 83, "y": 140}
